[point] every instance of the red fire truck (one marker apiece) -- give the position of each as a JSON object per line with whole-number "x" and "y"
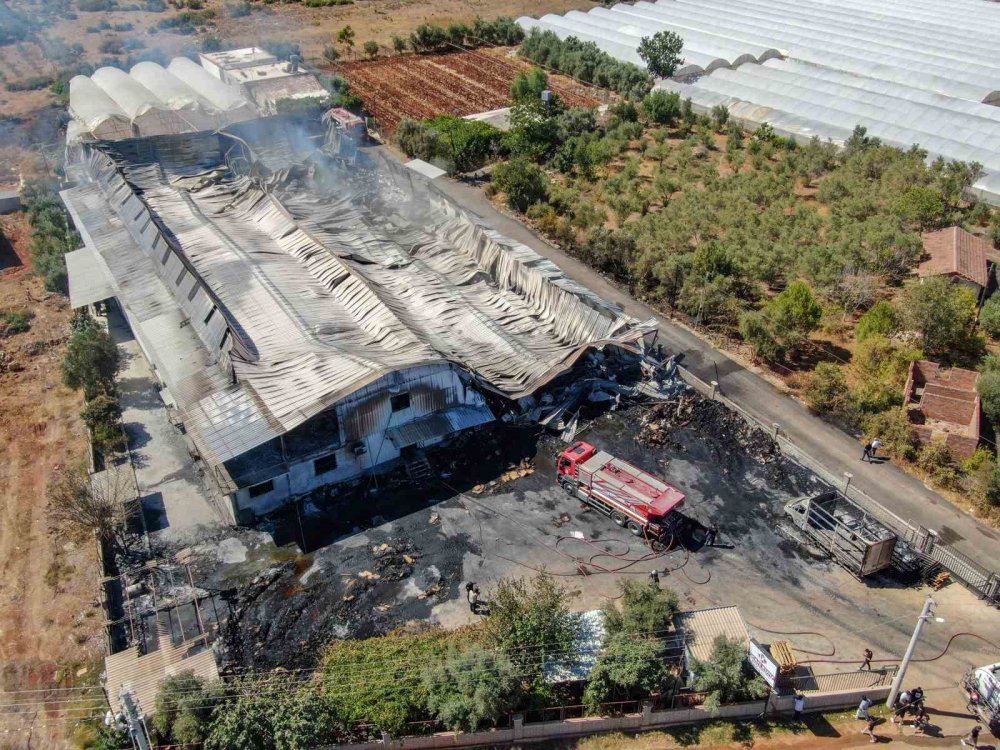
{"x": 629, "y": 496}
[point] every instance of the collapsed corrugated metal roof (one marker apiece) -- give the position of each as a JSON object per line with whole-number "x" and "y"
{"x": 317, "y": 279}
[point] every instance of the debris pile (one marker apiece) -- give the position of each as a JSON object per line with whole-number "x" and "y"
{"x": 522, "y": 468}
{"x": 690, "y": 410}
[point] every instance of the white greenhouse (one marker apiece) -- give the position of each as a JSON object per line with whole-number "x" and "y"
{"x": 918, "y": 72}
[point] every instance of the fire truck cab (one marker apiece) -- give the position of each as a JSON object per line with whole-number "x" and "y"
{"x": 629, "y": 496}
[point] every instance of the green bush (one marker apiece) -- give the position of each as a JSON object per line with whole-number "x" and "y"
{"x": 725, "y": 676}
{"x": 585, "y": 61}
{"x": 893, "y": 429}
{"x": 466, "y": 145}
{"x": 989, "y": 316}
{"x": 525, "y": 614}
{"x": 102, "y": 415}
{"x": 522, "y": 182}
{"x": 627, "y": 668}
{"x": 15, "y": 321}
{"x": 942, "y": 312}
{"x": 91, "y": 360}
{"x": 471, "y": 688}
{"x": 880, "y": 320}
{"x": 529, "y": 85}
{"x": 827, "y": 390}
{"x": 935, "y": 458}
{"x": 644, "y": 610}
{"x": 52, "y": 237}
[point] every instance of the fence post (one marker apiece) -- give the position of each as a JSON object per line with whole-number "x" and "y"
{"x": 647, "y": 713}
{"x": 715, "y": 385}
{"x": 386, "y": 739}
{"x": 518, "y": 725}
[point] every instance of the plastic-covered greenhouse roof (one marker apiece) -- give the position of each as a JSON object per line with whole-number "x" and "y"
{"x": 916, "y": 71}
{"x": 152, "y": 100}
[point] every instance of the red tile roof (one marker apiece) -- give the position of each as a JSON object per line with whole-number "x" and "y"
{"x": 955, "y": 251}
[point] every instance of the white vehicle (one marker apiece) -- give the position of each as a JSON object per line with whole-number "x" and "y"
{"x": 982, "y": 686}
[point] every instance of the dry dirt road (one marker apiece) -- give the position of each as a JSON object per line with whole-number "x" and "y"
{"x": 50, "y": 632}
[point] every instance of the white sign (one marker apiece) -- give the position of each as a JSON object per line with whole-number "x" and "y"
{"x": 763, "y": 663}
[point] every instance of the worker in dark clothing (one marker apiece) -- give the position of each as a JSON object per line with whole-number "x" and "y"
{"x": 916, "y": 698}
{"x": 474, "y": 600}
{"x": 972, "y": 738}
{"x": 654, "y": 578}
{"x": 711, "y": 535}
{"x": 867, "y": 663}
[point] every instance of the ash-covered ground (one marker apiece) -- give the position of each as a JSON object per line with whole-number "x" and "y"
{"x": 365, "y": 565}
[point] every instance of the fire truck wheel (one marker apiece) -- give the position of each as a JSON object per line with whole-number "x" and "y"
{"x": 570, "y": 489}
{"x": 619, "y": 518}
{"x": 657, "y": 546}
{"x": 635, "y": 528}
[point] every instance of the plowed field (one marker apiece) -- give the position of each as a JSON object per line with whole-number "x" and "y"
{"x": 461, "y": 83}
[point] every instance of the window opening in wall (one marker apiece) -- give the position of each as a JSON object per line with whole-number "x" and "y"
{"x": 180, "y": 276}
{"x": 261, "y": 489}
{"x": 325, "y": 465}
{"x": 400, "y": 402}
{"x": 208, "y": 317}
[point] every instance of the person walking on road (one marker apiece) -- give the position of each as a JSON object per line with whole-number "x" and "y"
{"x": 867, "y": 454}
{"x": 972, "y": 738}
{"x": 862, "y": 712}
{"x": 870, "y": 729}
{"x": 867, "y": 663}
{"x": 875, "y": 445}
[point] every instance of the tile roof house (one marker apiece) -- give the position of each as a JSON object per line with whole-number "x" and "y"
{"x": 943, "y": 403}
{"x": 955, "y": 253}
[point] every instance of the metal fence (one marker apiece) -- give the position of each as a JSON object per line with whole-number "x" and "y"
{"x": 837, "y": 681}
{"x": 983, "y": 582}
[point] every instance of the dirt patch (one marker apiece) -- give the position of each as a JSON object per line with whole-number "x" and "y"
{"x": 461, "y": 83}
{"x": 50, "y": 624}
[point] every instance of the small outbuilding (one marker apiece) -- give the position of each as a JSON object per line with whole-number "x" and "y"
{"x": 943, "y": 403}
{"x": 701, "y": 627}
{"x": 958, "y": 255}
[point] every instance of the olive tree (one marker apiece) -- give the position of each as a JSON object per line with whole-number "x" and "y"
{"x": 662, "y": 53}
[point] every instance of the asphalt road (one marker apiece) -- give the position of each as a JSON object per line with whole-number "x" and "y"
{"x": 838, "y": 451}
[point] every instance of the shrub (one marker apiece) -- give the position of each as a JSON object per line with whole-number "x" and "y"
{"x": 880, "y": 320}
{"x": 935, "y": 458}
{"x": 417, "y": 140}
{"x": 645, "y": 609}
{"x": 720, "y": 117}
{"x": 529, "y": 85}
{"x": 524, "y": 615}
{"x": 626, "y": 668}
{"x": 371, "y": 48}
{"x": 827, "y": 390}
{"x": 662, "y": 107}
{"x": 522, "y": 182}
{"x": 989, "y": 392}
{"x": 725, "y": 676}
{"x": 470, "y": 688}
{"x": 585, "y": 61}
{"x": 893, "y": 429}
{"x": 942, "y": 312}
{"x": 989, "y": 316}
{"x": 101, "y": 415}
{"x": 15, "y": 321}
{"x": 92, "y": 359}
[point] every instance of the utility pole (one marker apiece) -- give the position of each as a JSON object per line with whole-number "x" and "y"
{"x": 136, "y": 727}
{"x": 925, "y": 615}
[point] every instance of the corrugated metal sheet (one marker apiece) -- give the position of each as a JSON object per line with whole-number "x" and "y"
{"x": 702, "y": 626}
{"x": 144, "y": 674}
{"x": 88, "y": 280}
{"x": 438, "y": 425}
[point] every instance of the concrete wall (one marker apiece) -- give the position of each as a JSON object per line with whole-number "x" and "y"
{"x": 524, "y": 733}
{"x": 363, "y": 419}
{"x": 10, "y": 202}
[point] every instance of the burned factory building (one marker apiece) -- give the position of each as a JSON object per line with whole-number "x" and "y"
{"x": 311, "y": 321}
